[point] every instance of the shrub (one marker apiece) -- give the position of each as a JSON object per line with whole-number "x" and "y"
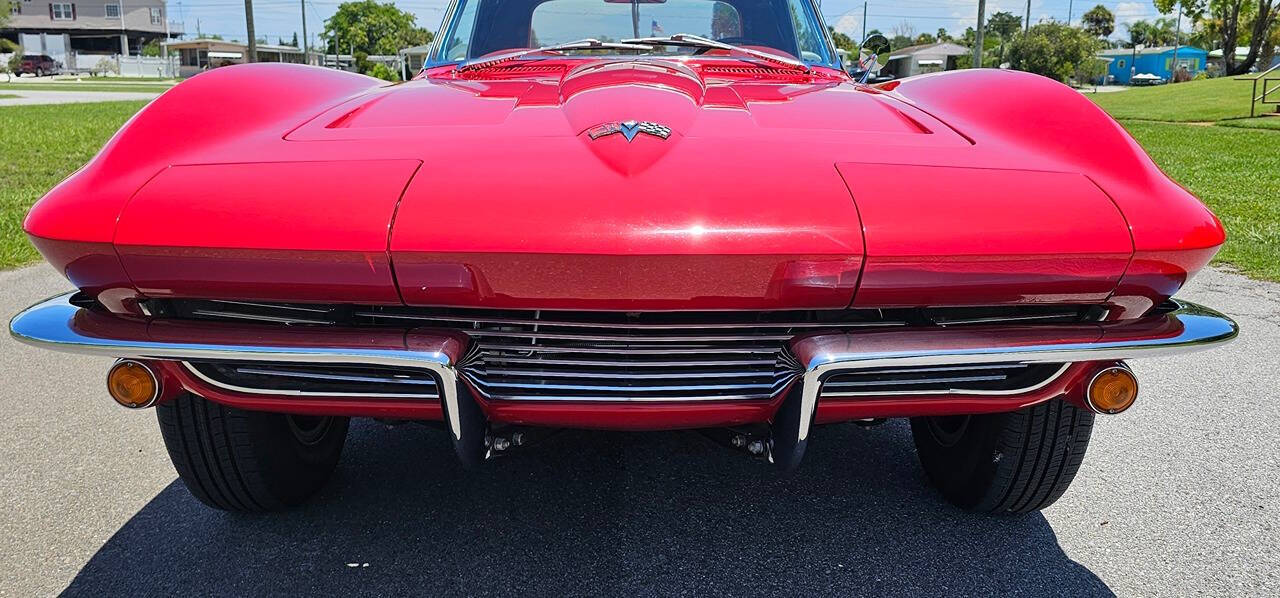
{"x": 383, "y": 72}
{"x": 1054, "y": 50}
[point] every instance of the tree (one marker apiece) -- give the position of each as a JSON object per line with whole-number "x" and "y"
{"x": 1236, "y": 21}
{"x": 10, "y": 66}
{"x": 944, "y": 36}
{"x": 1159, "y": 32}
{"x": 724, "y": 22}
{"x": 842, "y": 41}
{"x": 382, "y": 71}
{"x": 152, "y": 48}
{"x": 4, "y": 12}
{"x": 904, "y": 28}
{"x": 372, "y": 28}
{"x": 1268, "y": 52}
{"x": 1099, "y": 21}
{"x": 990, "y": 43}
{"x": 925, "y": 38}
{"x": 1004, "y": 25}
{"x": 1053, "y": 49}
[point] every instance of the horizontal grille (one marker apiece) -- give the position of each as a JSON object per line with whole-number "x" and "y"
{"x": 621, "y": 356}
{"x": 995, "y": 378}
{"x": 604, "y": 356}
{"x": 312, "y": 380}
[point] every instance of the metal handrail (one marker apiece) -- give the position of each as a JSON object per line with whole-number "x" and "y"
{"x": 1254, "y": 97}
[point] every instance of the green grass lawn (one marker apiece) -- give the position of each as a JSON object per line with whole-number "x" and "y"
{"x": 1205, "y": 100}
{"x": 1261, "y": 122}
{"x": 5, "y": 96}
{"x": 42, "y": 145}
{"x": 1237, "y": 173}
{"x": 86, "y": 86}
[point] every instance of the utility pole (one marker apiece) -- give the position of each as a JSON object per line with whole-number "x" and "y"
{"x": 306, "y": 54}
{"x": 1070, "y": 9}
{"x": 1177, "y": 41}
{"x": 252, "y": 54}
{"x": 124, "y": 36}
{"x": 864, "y": 25}
{"x": 164, "y": 48}
{"x": 1027, "y": 25}
{"x": 977, "y": 40}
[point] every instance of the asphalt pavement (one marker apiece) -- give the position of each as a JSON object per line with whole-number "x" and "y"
{"x": 1177, "y": 497}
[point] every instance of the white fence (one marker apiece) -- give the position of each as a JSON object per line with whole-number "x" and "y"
{"x": 124, "y": 66}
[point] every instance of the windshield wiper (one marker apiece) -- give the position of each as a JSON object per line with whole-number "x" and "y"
{"x": 582, "y": 44}
{"x": 688, "y": 40}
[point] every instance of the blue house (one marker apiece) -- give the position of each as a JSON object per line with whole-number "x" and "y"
{"x": 1158, "y": 61}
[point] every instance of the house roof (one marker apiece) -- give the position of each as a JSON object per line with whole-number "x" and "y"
{"x": 416, "y": 50}
{"x": 1241, "y": 52}
{"x": 222, "y": 44}
{"x": 1145, "y": 51}
{"x": 938, "y": 49}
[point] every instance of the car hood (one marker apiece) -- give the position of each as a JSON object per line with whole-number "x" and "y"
{"x": 771, "y": 190}
{"x": 739, "y": 205}
{"x": 566, "y": 98}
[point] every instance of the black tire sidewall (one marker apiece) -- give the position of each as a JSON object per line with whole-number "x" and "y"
{"x": 239, "y": 460}
{"x": 292, "y": 470}
{"x": 963, "y": 472}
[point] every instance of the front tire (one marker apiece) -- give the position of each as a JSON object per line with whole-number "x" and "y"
{"x": 249, "y": 461}
{"x": 1006, "y": 463}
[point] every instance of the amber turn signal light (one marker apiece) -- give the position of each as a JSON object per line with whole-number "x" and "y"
{"x": 1112, "y": 390}
{"x": 132, "y": 384}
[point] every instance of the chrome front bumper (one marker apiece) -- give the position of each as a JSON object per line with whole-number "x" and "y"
{"x": 59, "y": 325}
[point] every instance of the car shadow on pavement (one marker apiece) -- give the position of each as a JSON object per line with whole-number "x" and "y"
{"x": 595, "y": 513}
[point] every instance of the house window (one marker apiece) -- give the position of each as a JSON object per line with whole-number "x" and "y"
{"x": 62, "y": 11}
{"x": 1120, "y": 63}
{"x": 156, "y": 16}
{"x": 15, "y": 9}
{"x": 113, "y": 11}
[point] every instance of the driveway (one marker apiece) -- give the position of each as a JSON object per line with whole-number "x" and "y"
{"x": 28, "y": 97}
{"x": 1177, "y": 497}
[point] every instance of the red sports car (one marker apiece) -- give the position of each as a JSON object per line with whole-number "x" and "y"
{"x": 648, "y": 215}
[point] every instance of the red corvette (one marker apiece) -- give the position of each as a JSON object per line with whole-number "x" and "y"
{"x": 715, "y": 229}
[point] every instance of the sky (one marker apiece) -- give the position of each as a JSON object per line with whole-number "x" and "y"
{"x": 282, "y": 18}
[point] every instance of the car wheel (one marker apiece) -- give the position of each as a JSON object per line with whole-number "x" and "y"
{"x": 39, "y": 72}
{"x": 1007, "y": 463}
{"x": 238, "y": 460}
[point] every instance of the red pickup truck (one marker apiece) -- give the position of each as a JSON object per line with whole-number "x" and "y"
{"x": 39, "y": 65}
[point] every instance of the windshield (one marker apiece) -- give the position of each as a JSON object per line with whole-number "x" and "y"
{"x": 476, "y": 28}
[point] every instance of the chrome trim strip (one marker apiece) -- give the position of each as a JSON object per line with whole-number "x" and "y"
{"x": 630, "y": 398}
{"x": 498, "y": 358}
{"x": 1199, "y": 328}
{"x": 336, "y": 377}
{"x": 235, "y": 315}
{"x": 296, "y": 393}
{"x": 954, "y": 391}
{"x": 605, "y": 388}
{"x": 49, "y": 325}
{"x": 614, "y": 350}
{"x": 490, "y": 371}
{"x": 627, "y": 325}
{"x": 314, "y": 310}
{"x": 624, "y": 338}
{"x": 1069, "y": 316}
